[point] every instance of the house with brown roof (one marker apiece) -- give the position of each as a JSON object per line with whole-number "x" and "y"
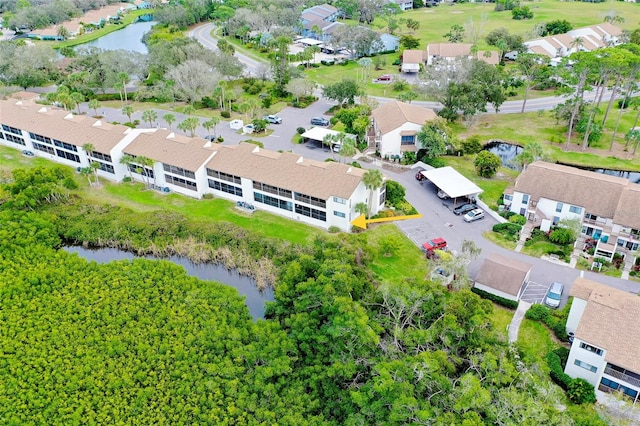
{"x": 322, "y": 194}
{"x": 503, "y": 276}
{"x": 607, "y": 206}
{"x": 413, "y": 60}
{"x": 395, "y": 126}
{"x": 605, "y": 347}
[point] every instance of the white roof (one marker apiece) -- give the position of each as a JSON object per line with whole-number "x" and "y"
{"x": 310, "y": 41}
{"x": 319, "y": 133}
{"x": 411, "y": 67}
{"x": 452, "y": 182}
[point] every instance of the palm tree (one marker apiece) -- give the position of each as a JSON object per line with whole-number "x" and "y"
{"x": 95, "y": 166}
{"x": 63, "y": 32}
{"x": 77, "y": 98}
{"x": 88, "y": 148}
{"x": 209, "y": 124}
{"x": 189, "y": 110}
{"x": 213, "y": 122}
{"x": 86, "y": 172}
{"x": 372, "y": 180}
{"x": 362, "y": 208}
{"x": 123, "y": 78}
{"x": 128, "y": 111}
{"x": 189, "y": 124}
{"x": 170, "y": 119}
{"x": 127, "y": 160}
{"x": 94, "y": 104}
{"x": 149, "y": 116}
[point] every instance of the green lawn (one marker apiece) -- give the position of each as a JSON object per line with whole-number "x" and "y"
{"x": 498, "y": 239}
{"x": 539, "y": 248}
{"x": 501, "y": 318}
{"x": 407, "y": 262}
{"x": 435, "y": 22}
{"x": 493, "y": 188}
{"x": 535, "y": 342}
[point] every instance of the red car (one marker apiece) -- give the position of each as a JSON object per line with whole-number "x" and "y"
{"x": 434, "y": 244}
{"x": 385, "y": 77}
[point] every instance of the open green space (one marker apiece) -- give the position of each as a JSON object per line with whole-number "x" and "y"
{"x": 435, "y": 22}
{"x": 535, "y": 342}
{"x": 501, "y": 318}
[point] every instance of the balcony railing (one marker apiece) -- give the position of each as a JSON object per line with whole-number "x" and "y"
{"x": 622, "y": 376}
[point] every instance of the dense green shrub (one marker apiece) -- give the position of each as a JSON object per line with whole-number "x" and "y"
{"x": 225, "y": 114}
{"x": 509, "y": 230}
{"x": 511, "y": 304}
{"x": 395, "y": 192}
{"x": 517, "y": 219}
{"x": 471, "y": 145}
{"x": 562, "y": 236}
{"x": 556, "y": 372}
{"x": 556, "y": 320}
{"x": 486, "y": 164}
{"x": 581, "y": 392}
{"x": 300, "y": 130}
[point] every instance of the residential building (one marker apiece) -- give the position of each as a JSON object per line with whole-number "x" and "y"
{"x": 319, "y": 21}
{"x": 606, "y": 206}
{"x": 579, "y": 39}
{"x": 503, "y": 276}
{"x": 605, "y": 346}
{"x": 403, "y": 4}
{"x": 449, "y": 53}
{"x": 395, "y": 125}
{"x": 413, "y": 60}
{"x": 322, "y": 194}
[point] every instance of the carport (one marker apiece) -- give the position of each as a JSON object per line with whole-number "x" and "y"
{"x": 319, "y": 133}
{"x": 452, "y": 183}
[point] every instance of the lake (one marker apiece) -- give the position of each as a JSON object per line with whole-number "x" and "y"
{"x": 129, "y": 38}
{"x": 506, "y": 151}
{"x": 246, "y": 286}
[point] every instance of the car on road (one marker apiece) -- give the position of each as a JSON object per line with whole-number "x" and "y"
{"x": 464, "y": 209}
{"x": 474, "y": 215}
{"x": 210, "y": 137}
{"x": 319, "y": 121}
{"x": 434, "y": 244}
{"x": 554, "y": 295}
{"x": 336, "y": 147}
{"x": 273, "y": 119}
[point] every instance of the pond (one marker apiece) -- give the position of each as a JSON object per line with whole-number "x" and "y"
{"x": 254, "y": 298}
{"x": 129, "y": 38}
{"x": 506, "y": 151}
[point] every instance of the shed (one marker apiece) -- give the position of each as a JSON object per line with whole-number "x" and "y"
{"x": 452, "y": 182}
{"x": 503, "y": 276}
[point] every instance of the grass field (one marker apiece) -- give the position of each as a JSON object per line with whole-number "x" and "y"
{"x": 435, "y": 22}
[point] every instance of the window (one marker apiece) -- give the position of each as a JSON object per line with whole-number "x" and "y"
{"x": 273, "y": 201}
{"x": 575, "y": 209}
{"x": 339, "y": 200}
{"x": 190, "y": 185}
{"x": 313, "y": 213}
{"x": 590, "y": 348}
{"x": 556, "y": 219}
{"x": 67, "y": 155}
{"x": 408, "y": 140}
{"x": 101, "y": 156}
{"x": 15, "y": 139}
{"x": 1, "y": 135}
{"x": 224, "y": 176}
{"x": 11, "y": 130}
{"x": 525, "y": 199}
{"x": 558, "y": 207}
{"x": 65, "y": 145}
{"x": 106, "y": 167}
{"x": 43, "y": 148}
{"x": 339, "y": 214}
{"x": 311, "y": 200}
{"x": 508, "y": 197}
{"x": 589, "y": 216}
{"x": 225, "y": 187}
{"x": 144, "y": 171}
{"x": 383, "y": 194}
{"x": 40, "y": 138}
{"x": 272, "y": 189}
{"x": 586, "y": 366}
{"x": 178, "y": 171}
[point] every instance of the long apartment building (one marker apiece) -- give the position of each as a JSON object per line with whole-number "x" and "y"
{"x": 608, "y": 207}
{"x": 322, "y": 194}
{"x": 606, "y": 341}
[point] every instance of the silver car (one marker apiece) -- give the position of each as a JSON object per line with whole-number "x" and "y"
{"x": 473, "y": 215}
{"x": 554, "y": 295}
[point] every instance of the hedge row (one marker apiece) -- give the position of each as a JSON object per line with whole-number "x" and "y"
{"x": 579, "y": 391}
{"x": 511, "y": 304}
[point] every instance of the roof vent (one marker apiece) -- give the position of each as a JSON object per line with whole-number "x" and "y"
{"x": 256, "y": 150}
{"x": 98, "y": 123}
{"x": 349, "y": 170}
{"x": 299, "y": 160}
{"x": 171, "y": 135}
{"x": 68, "y": 116}
{"x": 43, "y": 110}
{"x": 19, "y": 103}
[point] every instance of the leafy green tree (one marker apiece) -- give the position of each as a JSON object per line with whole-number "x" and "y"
{"x": 505, "y": 41}
{"x": 395, "y": 192}
{"x": 343, "y": 92}
{"x": 529, "y": 67}
{"x": 225, "y": 46}
{"x": 434, "y": 137}
{"x": 408, "y": 41}
{"x": 455, "y": 34}
{"x": 557, "y": 26}
{"x": 521, "y": 12}
{"x": 487, "y": 164}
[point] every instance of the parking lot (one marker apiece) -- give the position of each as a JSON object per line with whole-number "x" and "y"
{"x": 534, "y": 292}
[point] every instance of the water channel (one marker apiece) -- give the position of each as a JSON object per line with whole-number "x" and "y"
{"x": 507, "y": 152}
{"x": 129, "y": 38}
{"x": 254, "y": 298}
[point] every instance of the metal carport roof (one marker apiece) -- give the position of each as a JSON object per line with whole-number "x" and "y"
{"x": 452, "y": 182}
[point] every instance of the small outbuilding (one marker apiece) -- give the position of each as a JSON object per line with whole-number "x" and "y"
{"x": 503, "y": 276}
{"x": 319, "y": 133}
{"x": 236, "y": 124}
